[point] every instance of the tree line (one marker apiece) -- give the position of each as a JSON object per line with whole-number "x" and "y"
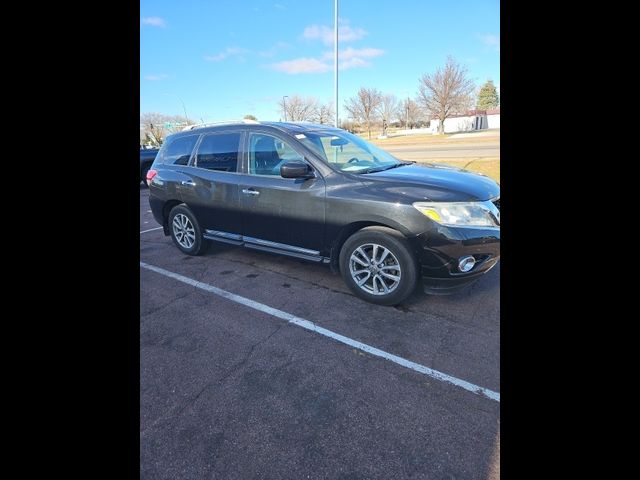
{"x": 444, "y": 93}
{"x": 441, "y": 94}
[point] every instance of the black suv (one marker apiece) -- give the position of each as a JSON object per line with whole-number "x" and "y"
{"x": 321, "y": 194}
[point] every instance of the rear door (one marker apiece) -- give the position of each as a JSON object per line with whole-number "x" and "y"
{"x": 211, "y": 187}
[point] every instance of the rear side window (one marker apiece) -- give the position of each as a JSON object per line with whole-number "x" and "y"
{"x": 179, "y": 150}
{"x": 219, "y": 152}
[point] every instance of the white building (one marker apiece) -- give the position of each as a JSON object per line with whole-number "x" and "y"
{"x": 493, "y": 118}
{"x": 472, "y": 120}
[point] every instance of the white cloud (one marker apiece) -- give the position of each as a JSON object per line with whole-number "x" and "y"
{"x": 279, "y": 6}
{"x": 350, "y": 53}
{"x": 154, "y": 21}
{"x": 492, "y": 41}
{"x": 347, "y": 58}
{"x": 301, "y": 65}
{"x": 352, "y": 63}
{"x": 227, "y": 52}
{"x": 273, "y": 50}
{"x": 324, "y": 33}
{"x": 216, "y": 58}
{"x": 155, "y": 78}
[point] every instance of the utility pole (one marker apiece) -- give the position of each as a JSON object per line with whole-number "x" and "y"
{"x": 284, "y": 106}
{"x": 406, "y": 123}
{"x": 335, "y": 54}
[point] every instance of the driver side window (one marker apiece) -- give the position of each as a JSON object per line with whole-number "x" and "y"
{"x": 267, "y": 153}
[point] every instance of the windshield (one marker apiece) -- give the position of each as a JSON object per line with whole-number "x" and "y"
{"x": 348, "y": 152}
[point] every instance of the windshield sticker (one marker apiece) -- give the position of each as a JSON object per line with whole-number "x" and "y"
{"x": 301, "y": 135}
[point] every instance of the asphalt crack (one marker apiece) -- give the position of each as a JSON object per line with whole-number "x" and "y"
{"x": 291, "y": 277}
{"x": 233, "y": 369}
{"x": 165, "y": 305}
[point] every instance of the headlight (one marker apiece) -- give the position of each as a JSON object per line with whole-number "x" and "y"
{"x": 461, "y": 214}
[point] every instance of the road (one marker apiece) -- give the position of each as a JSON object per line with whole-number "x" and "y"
{"x": 229, "y": 391}
{"x": 430, "y": 152}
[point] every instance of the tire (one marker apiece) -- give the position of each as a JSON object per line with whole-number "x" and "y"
{"x": 398, "y": 262}
{"x": 144, "y": 175}
{"x": 185, "y": 231}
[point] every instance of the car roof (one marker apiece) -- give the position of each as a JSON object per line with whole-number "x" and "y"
{"x": 289, "y": 127}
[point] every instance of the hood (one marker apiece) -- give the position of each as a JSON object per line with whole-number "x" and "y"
{"x": 440, "y": 183}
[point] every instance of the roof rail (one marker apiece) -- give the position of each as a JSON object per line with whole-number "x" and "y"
{"x": 225, "y": 122}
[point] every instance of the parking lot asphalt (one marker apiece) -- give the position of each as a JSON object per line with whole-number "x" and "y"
{"x": 227, "y": 391}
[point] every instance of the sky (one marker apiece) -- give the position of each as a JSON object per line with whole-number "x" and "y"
{"x": 223, "y": 59}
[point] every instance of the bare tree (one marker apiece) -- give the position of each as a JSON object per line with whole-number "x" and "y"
{"x": 155, "y": 127}
{"x": 446, "y": 92}
{"x": 299, "y": 108}
{"x": 324, "y": 113}
{"x": 348, "y": 125}
{"x": 387, "y": 109}
{"x": 409, "y": 112}
{"x": 364, "y": 106}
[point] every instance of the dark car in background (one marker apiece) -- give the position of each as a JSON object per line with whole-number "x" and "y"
{"x": 321, "y": 194}
{"x": 147, "y": 156}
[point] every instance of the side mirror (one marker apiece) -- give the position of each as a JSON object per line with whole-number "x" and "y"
{"x": 338, "y": 142}
{"x": 296, "y": 169}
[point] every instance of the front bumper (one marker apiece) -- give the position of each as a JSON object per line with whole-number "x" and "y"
{"x": 439, "y": 250}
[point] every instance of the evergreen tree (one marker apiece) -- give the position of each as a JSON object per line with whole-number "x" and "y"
{"x": 488, "y": 96}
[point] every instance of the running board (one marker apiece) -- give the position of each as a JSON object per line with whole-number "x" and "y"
{"x": 224, "y": 237}
{"x": 265, "y": 246}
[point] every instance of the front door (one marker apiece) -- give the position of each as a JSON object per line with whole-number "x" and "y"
{"x": 286, "y": 211}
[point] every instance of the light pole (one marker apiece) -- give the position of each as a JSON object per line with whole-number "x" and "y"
{"x": 184, "y": 109}
{"x": 284, "y": 106}
{"x": 406, "y": 123}
{"x": 335, "y": 54}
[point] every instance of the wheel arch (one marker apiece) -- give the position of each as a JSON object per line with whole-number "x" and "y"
{"x": 166, "y": 210}
{"x": 348, "y": 230}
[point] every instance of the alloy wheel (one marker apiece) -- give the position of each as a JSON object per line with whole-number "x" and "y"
{"x": 183, "y": 231}
{"x": 375, "y": 269}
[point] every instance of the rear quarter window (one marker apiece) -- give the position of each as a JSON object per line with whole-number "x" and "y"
{"x": 178, "y": 150}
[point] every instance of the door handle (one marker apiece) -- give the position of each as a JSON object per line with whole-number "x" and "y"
{"x": 187, "y": 182}
{"x": 248, "y": 191}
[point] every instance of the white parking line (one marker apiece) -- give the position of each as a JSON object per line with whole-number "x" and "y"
{"x": 151, "y": 230}
{"x": 301, "y": 322}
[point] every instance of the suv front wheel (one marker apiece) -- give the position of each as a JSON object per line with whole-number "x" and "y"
{"x": 185, "y": 231}
{"x": 377, "y": 265}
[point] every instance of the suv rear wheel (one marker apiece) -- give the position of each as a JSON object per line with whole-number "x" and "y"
{"x": 185, "y": 231}
{"x": 377, "y": 265}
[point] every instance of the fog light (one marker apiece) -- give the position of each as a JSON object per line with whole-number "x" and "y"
{"x": 466, "y": 263}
